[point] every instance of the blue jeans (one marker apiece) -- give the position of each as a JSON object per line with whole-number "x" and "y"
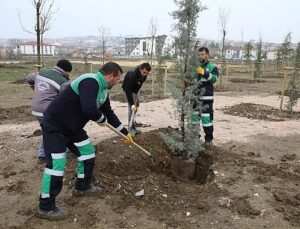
{"x": 41, "y": 151}
{"x": 136, "y": 101}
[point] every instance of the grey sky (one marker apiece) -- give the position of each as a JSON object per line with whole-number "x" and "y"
{"x": 270, "y": 18}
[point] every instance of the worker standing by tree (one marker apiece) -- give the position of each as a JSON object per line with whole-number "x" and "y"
{"x": 47, "y": 85}
{"x": 86, "y": 98}
{"x": 132, "y": 84}
{"x": 206, "y": 74}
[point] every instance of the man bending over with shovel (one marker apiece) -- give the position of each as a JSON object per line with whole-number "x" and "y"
{"x": 132, "y": 83}
{"x": 85, "y": 99}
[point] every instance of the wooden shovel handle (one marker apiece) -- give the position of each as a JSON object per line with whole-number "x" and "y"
{"x": 125, "y": 137}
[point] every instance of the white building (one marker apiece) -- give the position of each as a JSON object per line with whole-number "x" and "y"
{"x": 30, "y": 49}
{"x": 169, "y": 46}
{"x": 271, "y": 55}
{"x": 142, "y": 46}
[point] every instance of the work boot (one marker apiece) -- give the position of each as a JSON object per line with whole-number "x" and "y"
{"x": 91, "y": 191}
{"x": 208, "y": 144}
{"x": 133, "y": 131}
{"x": 41, "y": 160}
{"x": 137, "y": 132}
{"x": 55, "y": 214}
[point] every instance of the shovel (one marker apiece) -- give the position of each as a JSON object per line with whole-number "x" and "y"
{"x": 132, "y": 131}
{"x": 150, "y": 155}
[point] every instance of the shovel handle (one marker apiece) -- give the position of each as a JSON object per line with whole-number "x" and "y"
{"x": 124, "y": 137}
{"x": 132, "y": 119}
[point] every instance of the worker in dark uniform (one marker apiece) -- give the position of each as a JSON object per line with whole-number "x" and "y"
{"x": 132, "y": 84}
{"x": 206, "y": 75}
{"x": 86, "y": 98}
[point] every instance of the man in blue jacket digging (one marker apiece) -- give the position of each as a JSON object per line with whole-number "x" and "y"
{"x": 85, "y": 99}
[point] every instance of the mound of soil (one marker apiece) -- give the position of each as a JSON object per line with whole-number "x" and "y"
{"x": 15, "y": 115}
{"x": 261, "y": 112}
{"x": 167, "y": 194}
{"x": 168, "y": 190}
{"x": 288, "y": 203}
{"x": 248, "y": 81}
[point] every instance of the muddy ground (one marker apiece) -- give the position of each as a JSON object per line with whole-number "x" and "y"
{"x": 241, "y": 192}
{"x": 253, "y": 181}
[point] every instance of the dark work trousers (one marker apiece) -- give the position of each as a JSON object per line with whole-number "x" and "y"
{"x": 207, "y": 117}
{"x": 55, "y": 145}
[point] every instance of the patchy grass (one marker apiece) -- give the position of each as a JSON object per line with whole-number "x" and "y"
{"x": 13, "y": 72}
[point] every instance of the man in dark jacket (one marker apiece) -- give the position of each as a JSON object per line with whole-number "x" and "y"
{"x": 132, "y": 84}
{"x": 86, "y": 98}
{"x": 206, "y": 75}
{"x": 47, "y": 85}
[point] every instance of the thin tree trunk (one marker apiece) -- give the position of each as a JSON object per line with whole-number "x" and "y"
{"x": 184, "y": 89}
{"x": 38, "y": 35}
{"x": 223, "y": 56}
{"x": 152, "y": 46}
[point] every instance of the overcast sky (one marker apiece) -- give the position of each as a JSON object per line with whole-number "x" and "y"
{"x": 273, "y": 19}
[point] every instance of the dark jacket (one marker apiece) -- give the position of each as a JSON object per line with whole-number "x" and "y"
{"x": 132, "y": 83}
{"x": 72, "y": 109}
{"x": 207, "y": 80}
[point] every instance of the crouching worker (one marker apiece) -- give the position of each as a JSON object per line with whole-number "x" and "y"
{"x": 85, "y": 99}
{"x": 133, "y": 81}
{"x": 47, "y": 84}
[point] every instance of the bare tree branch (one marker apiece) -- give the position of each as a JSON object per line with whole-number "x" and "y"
{"x": 104, "y": 33}
{"x": 23, "y": 27}
{"x": 44, "y": 14}
{"x": 152, "y": 30}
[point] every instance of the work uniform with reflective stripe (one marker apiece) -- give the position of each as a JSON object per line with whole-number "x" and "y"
{"x": 85, "y": 99}
{"x": 47, "y": 86}
{"x": 205, "y": 98}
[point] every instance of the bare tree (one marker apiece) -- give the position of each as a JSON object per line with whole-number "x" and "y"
{"x": 44, "y": 14}
{"x": 224, "y": 15}
{"x": 45, "y": 19}
{"x": 104, "y": 33}
{"x": 152, "y": 31}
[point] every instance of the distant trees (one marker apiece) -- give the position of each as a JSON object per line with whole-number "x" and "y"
{"x": 258, "y": 62}
{"x": 248, "y": 53}
{"x": 293, "y": 89}
{"x": 152, "y": 31}
{"x": 104, "y": 34}
{"x": 224, "y": 15}
{"x": 284, "y": 53}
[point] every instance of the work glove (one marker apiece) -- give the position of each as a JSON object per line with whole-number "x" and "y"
{"x": 129, "y": 139}
{"x": 102, "y": 119}
{"x": 201, "y": 71}
{"x": 134, "y": 108}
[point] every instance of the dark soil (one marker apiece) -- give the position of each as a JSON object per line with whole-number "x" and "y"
{"x": 171, "y": 192}
{"x": 171, "y": 186}
{"x": 16, "y": 115}
{"x": 260, "y": 112}
{"x": 246, "y": 81}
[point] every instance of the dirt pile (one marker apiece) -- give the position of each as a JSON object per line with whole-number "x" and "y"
{"x": 168, "y": 190}
{"x": 246, "y": 81}
{"x": 260, "y": 112}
